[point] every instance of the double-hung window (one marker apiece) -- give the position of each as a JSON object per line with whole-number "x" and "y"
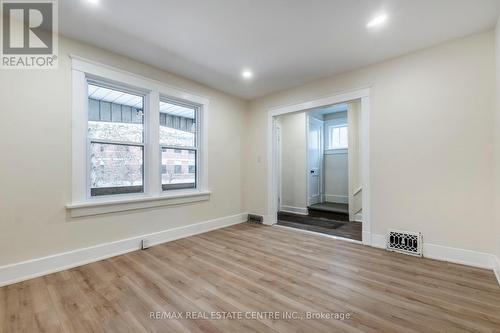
{"x": 115, "y": 140}
{"x": 179, "y": 144}
{"x": 137, "y": 143}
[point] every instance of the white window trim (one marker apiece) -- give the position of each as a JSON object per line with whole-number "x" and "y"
{"x": 336, "y": 151}
{"x": 153, "y": 196}
{"x": 145, "y": 147}
{"x": 329, "y": 137}
{"x": 198, "y": 141}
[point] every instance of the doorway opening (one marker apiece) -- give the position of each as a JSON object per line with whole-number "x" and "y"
{"x": 318, "y": 160}
{"x": 319, "y": 166}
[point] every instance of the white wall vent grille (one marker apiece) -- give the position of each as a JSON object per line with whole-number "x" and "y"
{"x": 405, "y": 242}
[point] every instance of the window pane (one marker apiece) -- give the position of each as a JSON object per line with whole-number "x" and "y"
{"x": 338, "y": 137}
{"x": 115, "y": 169}
{"x": 178, "y": 169}
{"x": 343, "y": 137}
{"x": 335, "y": 137}
{"x": 115, "y": 115}
{"x": 177, "y": 125}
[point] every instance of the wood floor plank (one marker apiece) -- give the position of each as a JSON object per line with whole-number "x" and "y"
{"x": 233, "y": 287}
{"x": 3, "y": 310}
{"x": 394, "y": 278}
{"x": 292, "y": 291}
{"x": 254, "y": 269}
{"x": 326, "y": 288}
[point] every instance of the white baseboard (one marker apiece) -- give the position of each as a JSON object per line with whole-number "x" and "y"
{"x": 29, "y": 269}
{"x": 378, "y": 241}
{"x": 337, "y": 198}
{"x": 459, "y": 256}
{"x": 366, "y": 238}
{"x": 269, "y": 220}
{"x": 295, "y": 210}
{"x": 358, "y": 217}
{"x": 497, "y": 268}
{"x": 450, "y": 254}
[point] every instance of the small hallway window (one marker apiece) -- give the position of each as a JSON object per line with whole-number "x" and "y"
{"x": 337, "y": 137}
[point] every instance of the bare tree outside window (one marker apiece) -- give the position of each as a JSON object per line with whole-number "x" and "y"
{"x": 116, "y": 134}
{"x": 178, "y": 130}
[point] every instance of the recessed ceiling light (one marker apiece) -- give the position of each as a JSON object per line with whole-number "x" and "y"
{"x": 94, "y": 2}
{"x": 247, "y": 74}
{"x": 377, "y": 21}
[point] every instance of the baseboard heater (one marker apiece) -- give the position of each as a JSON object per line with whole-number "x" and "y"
{"x": 405, "y": 242}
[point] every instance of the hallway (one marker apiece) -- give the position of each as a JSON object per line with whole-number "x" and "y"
{"x": 326, "y": 218}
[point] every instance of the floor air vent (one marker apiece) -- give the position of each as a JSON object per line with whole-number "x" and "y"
{"x": 255, "y": 218}
{"x": 405, "y": 242}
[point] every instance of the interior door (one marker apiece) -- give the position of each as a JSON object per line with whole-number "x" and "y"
{"x": 314, "y": 160}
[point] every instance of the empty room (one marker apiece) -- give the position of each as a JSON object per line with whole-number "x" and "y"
{"x": 250, "y": 166}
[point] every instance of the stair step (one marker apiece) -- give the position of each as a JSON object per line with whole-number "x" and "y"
{"x": 322, "y": 222}
{"x": 330, "y": 207}
{"x": 330, "y": 210}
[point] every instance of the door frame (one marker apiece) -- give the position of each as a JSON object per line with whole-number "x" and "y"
{"x": 278, "y": 155}
{"x": 321, "y": 193}
{"x": 272, "y": 172}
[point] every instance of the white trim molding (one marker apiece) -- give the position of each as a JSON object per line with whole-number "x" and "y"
{"x": 451, "y": 254}
{"x": 272, "y": 173}
{"x": 105, "y": 71}
{"x": 112, "y": 206}
{"x": 29, "y": 269}
{"x": 459, "y": 256}
{"x": 336, "y": 151}
{"x": 378, "y": 241}
{"x": 497, "y": 268}
{"x": 337, "y": 98}
{"x": 358, "y": 217}
{"x": 82, "y": 203}
{"x": 268, "y": 220}
{"x": 295, "y": 210}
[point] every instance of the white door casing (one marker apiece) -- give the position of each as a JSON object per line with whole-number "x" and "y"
{"x": 354, "y": 151}
{"x": 272, "y": 173}
{"x": 278, "y": 161}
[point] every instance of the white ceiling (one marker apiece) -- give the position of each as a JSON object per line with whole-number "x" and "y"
{"x": 284, "y": 42}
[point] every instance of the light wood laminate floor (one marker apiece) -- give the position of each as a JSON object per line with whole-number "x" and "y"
{"x": 247, "y": 268}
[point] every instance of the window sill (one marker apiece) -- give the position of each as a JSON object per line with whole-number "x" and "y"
{"x": 119, "y": 205}
{"x": 336, "y": 151}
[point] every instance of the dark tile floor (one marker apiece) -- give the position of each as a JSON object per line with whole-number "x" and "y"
{"x": 331, "y": 223}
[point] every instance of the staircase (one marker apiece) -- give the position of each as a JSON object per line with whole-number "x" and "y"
{"x": 328, "y": 210}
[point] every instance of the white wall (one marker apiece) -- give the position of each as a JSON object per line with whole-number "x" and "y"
{"x": 35, "y": 167}
{"x": 293, "y": 161}
{"x": 431, "y": 141}
{"x": 355, "y": 160}
{"x": 336, "y": 176}
{"x": 431, "y": 134}
{"x": 497, "y": 144}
